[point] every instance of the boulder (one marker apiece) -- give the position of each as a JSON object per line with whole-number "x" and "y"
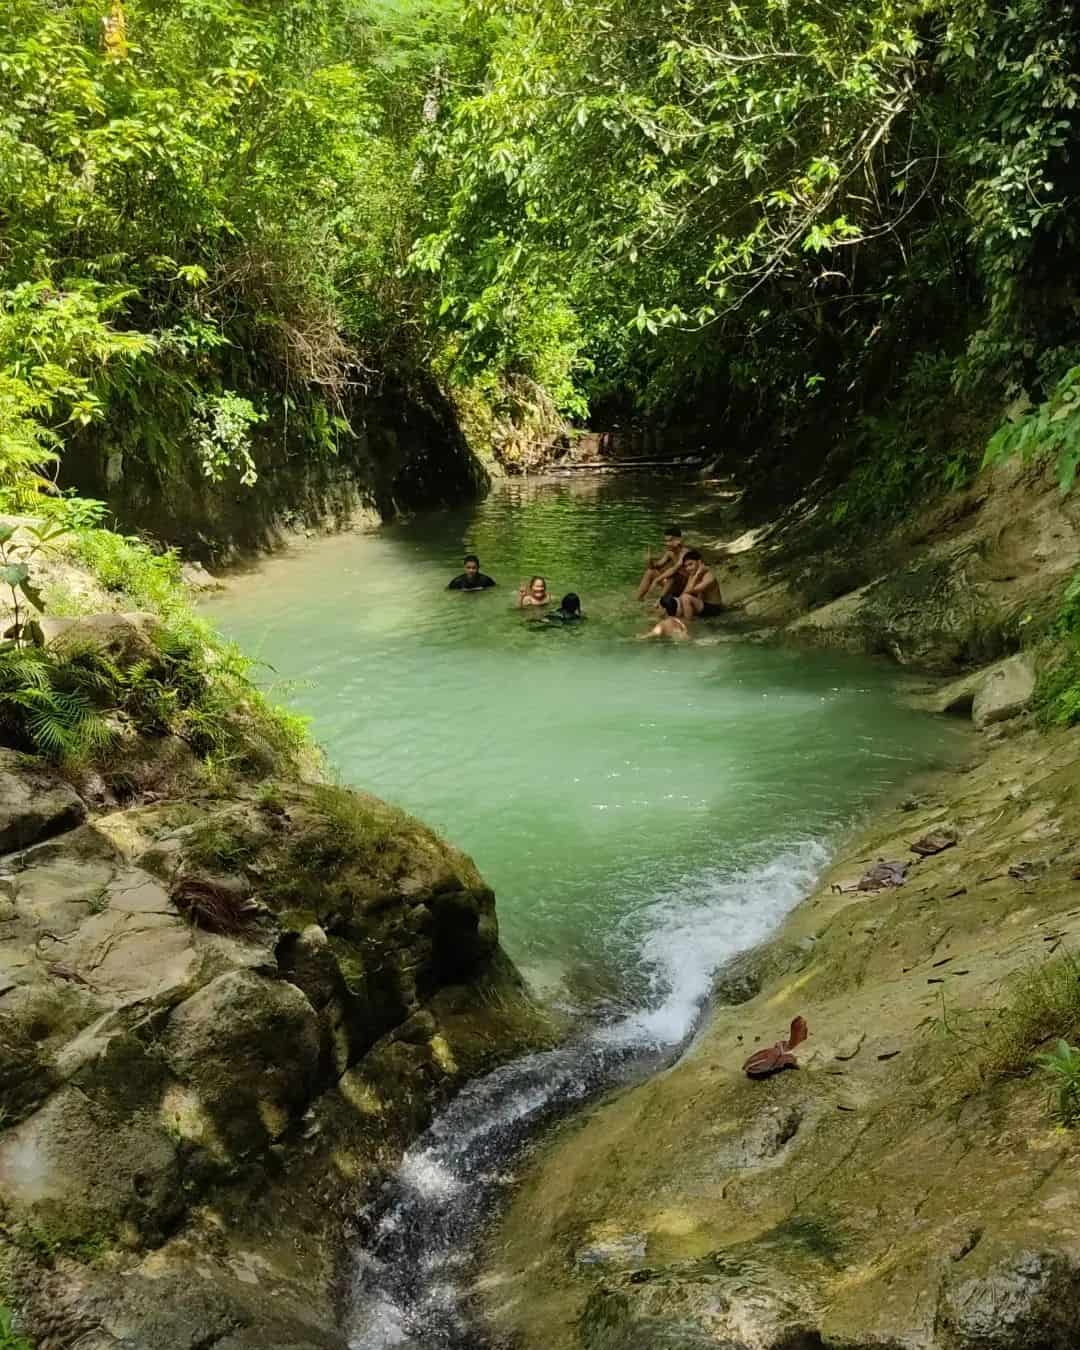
{"x": 196, "y": 578}
{"x": 248, "y": 1049}
{"x": 125, "y": 638}
{"x": 35, "y": 802}
{"x": 1005, "y": 691}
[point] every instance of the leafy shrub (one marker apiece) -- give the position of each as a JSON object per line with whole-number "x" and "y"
{"x": 1062, "y": 1066}
{"x": 1052, "y": 430}
{"x": 130, "y": 567}
{"x": 1057, "y": 695}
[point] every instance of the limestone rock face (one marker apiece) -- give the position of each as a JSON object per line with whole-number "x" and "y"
{"x": 902, "y": 1189}
{"x": 1026, "y": 1302}
{"x": 34, "y": 803}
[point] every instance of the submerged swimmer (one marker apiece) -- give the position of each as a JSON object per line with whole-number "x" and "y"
{"x": 535, "y": 593}
{"x": 670, "y": 626}
{"x": 569, "y": 610}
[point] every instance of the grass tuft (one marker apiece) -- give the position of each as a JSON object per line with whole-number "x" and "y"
{"x": 1042, "y": 1005}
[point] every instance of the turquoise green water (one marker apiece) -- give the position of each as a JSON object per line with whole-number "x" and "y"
{"x": 637, "y": 806}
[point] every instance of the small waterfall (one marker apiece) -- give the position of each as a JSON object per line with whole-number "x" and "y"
{"x": 411, "y": 1276}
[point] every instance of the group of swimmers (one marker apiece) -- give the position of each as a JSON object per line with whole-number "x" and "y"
{"x": 688, "y": 589}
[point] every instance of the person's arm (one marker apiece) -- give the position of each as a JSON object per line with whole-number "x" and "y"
{"x": 656, "y": 631}
{"x": 522, "y": 589}
{"x": 701, "y": 582}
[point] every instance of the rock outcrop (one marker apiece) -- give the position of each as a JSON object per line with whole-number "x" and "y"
{"x": 220, "y": 1022}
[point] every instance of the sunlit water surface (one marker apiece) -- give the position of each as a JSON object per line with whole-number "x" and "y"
{"x": 643, "y": 810}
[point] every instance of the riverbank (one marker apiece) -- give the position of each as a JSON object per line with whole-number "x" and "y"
{"x": 908, "y": 1185}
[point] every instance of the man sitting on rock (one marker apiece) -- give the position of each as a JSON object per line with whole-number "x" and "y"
{"x": 700, "y": 596}
{"x": 472, "y": 579}
{"x": 665, "y": 568}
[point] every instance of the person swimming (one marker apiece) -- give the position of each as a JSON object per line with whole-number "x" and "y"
{"x": 670, "y": 626}
{"x": 535, "y": 593}
{"x": 569, "y": 610}
{"x": 472, "y": 579}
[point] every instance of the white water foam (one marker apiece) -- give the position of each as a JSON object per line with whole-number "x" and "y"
{"x": 405, "y": 1293}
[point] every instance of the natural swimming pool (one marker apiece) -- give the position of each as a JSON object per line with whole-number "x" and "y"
{"x": 643, "y": 810}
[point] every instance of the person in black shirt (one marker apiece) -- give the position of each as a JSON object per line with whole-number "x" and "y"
{"x": 472, "y": 579}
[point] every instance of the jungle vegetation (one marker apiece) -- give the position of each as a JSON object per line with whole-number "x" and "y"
{"x": 813, "y": 233}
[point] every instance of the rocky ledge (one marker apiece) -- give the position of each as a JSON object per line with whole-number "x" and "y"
{"x": 221, "y": 1020}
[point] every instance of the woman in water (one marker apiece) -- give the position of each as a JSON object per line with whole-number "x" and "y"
{"x": 535, "y": 593}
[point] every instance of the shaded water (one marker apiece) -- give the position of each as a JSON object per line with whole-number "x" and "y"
{"x": 643, "y": 810}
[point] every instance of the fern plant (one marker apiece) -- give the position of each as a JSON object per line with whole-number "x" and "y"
{"x": 38, "y": 712}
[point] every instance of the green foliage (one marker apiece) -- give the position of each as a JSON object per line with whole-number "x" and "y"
{"x": 204, "y": 224}
{"x": 9, "y": 1337}
{"x": 1062, "y": 1067}
{"x": 223, "y": 436}
{"x": 129, "y": 567}
{"x": 1050, "y": 430}
{"x": 1057, "y": 694}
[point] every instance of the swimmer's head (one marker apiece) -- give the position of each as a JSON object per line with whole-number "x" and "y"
{"x": 538, "y": 588}
{"x": 669, "y": 605}
{"x": 472, "y": 564}
{"x": 571, "y": 603}
{"x": 673, "y": 536}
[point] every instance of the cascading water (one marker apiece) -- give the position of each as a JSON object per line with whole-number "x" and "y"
{"x": 411, "y": 1280}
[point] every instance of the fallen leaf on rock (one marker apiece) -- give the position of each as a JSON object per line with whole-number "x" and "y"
{"x": 850, "y": 1046}
{"x": 936, "y": 841}
{"x": 777, "y": 1057}
{"x": 884, "y": 875}
{"x": 888, "y": 1054}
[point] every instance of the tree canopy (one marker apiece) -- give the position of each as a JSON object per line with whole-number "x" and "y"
{"x": 786, "y": 224}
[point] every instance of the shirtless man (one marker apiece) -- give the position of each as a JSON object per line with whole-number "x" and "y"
{"x": 670, "y": 626}
{"x": 700, "y": 596}
{"x": 664, "y": 568}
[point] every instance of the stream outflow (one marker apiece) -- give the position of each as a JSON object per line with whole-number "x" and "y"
{"x": 413, "y": 1269}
